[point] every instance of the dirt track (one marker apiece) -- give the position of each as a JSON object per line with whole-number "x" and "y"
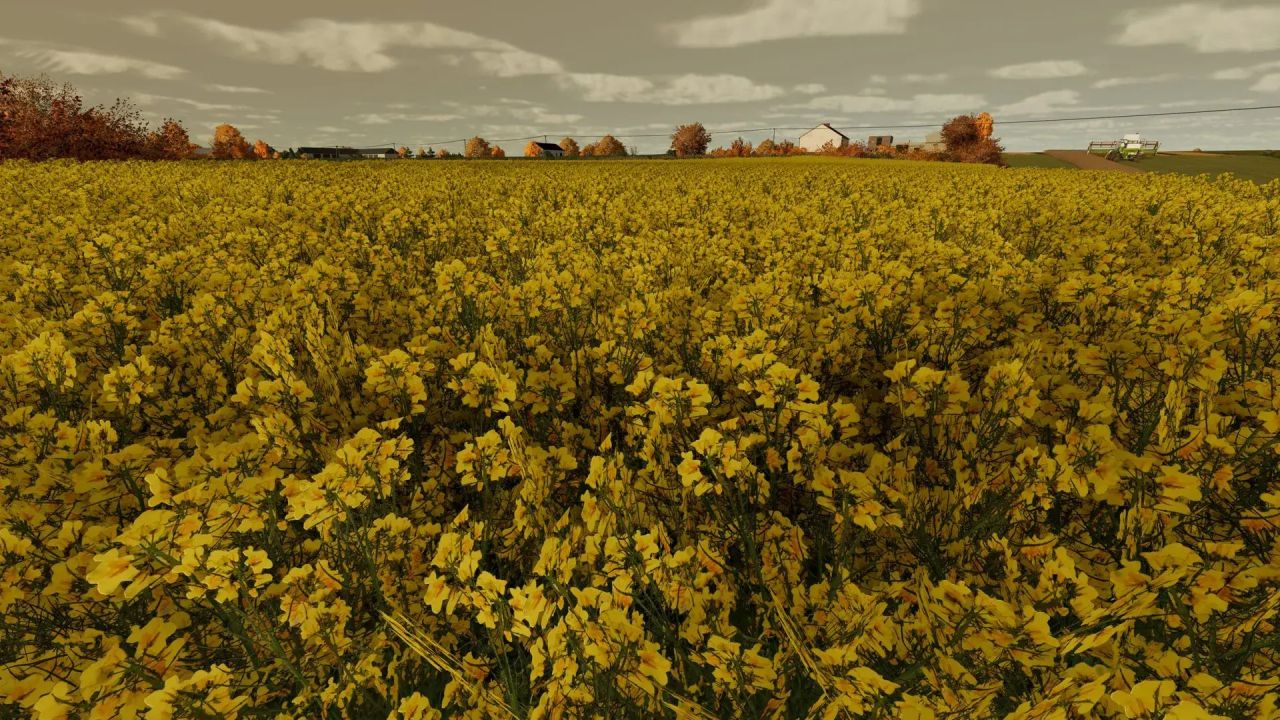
{"x": 1086, "y": 161}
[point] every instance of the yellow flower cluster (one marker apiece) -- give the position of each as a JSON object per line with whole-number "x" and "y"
{"x": 631, "y": 440}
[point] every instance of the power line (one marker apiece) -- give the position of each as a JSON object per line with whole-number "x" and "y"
{"x": 887, "y": 126}
{"x": 1081, "y": 119}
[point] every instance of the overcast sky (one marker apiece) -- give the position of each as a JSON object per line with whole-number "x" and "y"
{"x": 416, "y": 73}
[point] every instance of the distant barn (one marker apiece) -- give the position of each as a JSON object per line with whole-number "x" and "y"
{"x": 329, "y": 153}
{"x": 876, "y": 141}
{"x": 550, "y": 150}
{"x": 817, "y": 138}
{"x": 379, "y": 154}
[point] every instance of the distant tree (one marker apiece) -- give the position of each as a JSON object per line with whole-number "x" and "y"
{"x": 403, "y": 152}
{"x": 477, "y": 147}
{"x": 422, "y": 153}
{"x": 532, "y": 150}
{"x": 786, "y": 147}
{"x": 497, "y": 153}
{"x": 441, "y": 154}
{"x": 262, "y": 151}
{"x": 960, "y": 131}
{"x": 986, "y": 125}
{"x": 229, "y": 144}
{"x": 964, "y": 141}
{"x": 570, "y": 147}
{"x": 588, "y": 150}
{"x": 169, "y": 142}
{"x": 608, "y": 146}
{"x": 765, "y": 148}
{"x": 6, "y": 111}
{"x": 739, "y": 148}
{"x": 690, "y": 140}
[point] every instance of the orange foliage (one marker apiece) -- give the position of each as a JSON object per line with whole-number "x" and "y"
{"x": 690, "y": 140}
{"x": 477, "y": 147}
{"x": 608, "y": 146}
{"x": 532, "y": 150}
{"x": 986, "y": 125}
{"x": 40, "y": 120}
{"x": 497, "y": 152}
{"x": 170, "y": 142}
{"x": 570, "y": 147}
{"x": 229, "y": 144}
{"x": 965, "y": 142}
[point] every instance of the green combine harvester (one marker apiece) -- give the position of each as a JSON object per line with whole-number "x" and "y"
{"x": 1132, "y": 147}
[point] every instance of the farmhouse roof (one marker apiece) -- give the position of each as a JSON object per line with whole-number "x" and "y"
{"x": 828, "y": 126}
{"x": 328, "y": 150}
{"x": 549, "y": 147}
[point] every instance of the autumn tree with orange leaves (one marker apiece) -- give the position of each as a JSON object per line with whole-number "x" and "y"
{"x": 262, "y": 151}
{"x": 570, "y": 147}
{"x": 532, "y": 150}
{"x": 497, "y": 153}
{"x": 963, "y": 136}
{"x": 690, "y": 140}
{"x": 41, "y": 119}
{"x": 986, "y": 125}
{"x": 608, "y": 146}
{"x": 229, "y": 144}
{"x": 477, "y": 147}
{"x": 170, "y": 142}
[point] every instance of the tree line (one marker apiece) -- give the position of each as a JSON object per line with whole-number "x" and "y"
{"x": 41, "y": 119}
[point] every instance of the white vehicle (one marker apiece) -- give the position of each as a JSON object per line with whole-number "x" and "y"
{"x": 1131, "y": 147}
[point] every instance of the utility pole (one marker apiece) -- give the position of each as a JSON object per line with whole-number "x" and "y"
{"x": 775, "y": 135}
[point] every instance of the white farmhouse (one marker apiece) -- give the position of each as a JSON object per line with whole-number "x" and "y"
{"x": 815, "y": 139}
{"x": 550, "y": 150}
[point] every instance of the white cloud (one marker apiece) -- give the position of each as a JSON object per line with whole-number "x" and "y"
{"x": 810, "y": 88}
{"x": 922, "y": 104}
{"x": 1244, "y": 73}
{"x": 515, "y": 63}
{"x": 782, "y": 19}
{"x": 388, "y": 118}
{"x": 1204, "y": 27}
{"x": 142, "y": 25}
{"x": 1125, "y": 81}
{"x": 925, "y": 78}
{"x": 1043, "y": 103}
{"x": 362, "y": 46}
{"x": 238, "y": 89}
{"x": 878, "y": 79}
{"x": 687, "y": 89}
{"x": 148, "y": 99}
{"x": 1267, "y": 83}
{"x": 87, "y": 62}
{"x": 1043, "y": 70}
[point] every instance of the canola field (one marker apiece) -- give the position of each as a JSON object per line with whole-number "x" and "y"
{"x": 740, "y": 439}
